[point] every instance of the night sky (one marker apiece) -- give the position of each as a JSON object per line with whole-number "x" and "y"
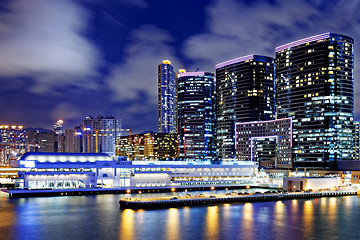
{"x": 68, "y": 59}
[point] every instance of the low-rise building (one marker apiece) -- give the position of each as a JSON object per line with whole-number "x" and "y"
{"x": 76, "y": 170}
{"x": 311, "y": 183}
{"x": 266, "y": 142}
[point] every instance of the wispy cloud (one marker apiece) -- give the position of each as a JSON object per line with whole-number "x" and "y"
{"x": 66, "y": 111}
{"x": 137, "y": 75}
{"x": 43, "y": 39}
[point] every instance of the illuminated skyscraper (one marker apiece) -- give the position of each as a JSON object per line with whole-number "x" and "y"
{"x": 196, "y": 115}
{"x": 244, "y": 93}
{"x": 356, "y": 141}
{"x": 167, "y": 97}
{"x": 58, "y": 127}
{"x": 314, "y": 87}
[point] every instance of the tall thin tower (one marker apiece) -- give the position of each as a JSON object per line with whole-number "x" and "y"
{"x": 167, "y": 98}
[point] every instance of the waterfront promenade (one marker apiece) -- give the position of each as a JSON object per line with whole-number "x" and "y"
{"x": 18, "y": 193}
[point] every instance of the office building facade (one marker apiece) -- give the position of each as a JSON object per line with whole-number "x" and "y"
{"x": 148, "y": 146}
{"x": 267, "y": 142}
{"x": 167, "y": 97}
{"x": 314, "y": 87}
{"x": 244, "y": 93}
{"x": 356, "y": 141}
{"x": 196, "y": 115}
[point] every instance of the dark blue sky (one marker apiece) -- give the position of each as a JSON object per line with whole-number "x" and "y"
{"x": 67, "y": 59}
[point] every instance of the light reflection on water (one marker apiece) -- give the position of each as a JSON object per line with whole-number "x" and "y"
{"x": 308, "y": 218}
{"x": 127, "y": 224}
{"x": 172, "y": 230}
{"x": 212, "y": 222}
{"x": 280, "y": 220}
{"x": 99, "y": 217}
{"x": 248, "y": 221}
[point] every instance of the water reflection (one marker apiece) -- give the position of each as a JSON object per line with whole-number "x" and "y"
{"x": 248, "y": 230}
{"x": 7, "y": 217}
{"x": 100, "y": 218}
{"x": 212, "y": 222}
{"x": 308, "y": 218}
{"x": 280, "y": 219}
{"x": 172, "y": 230}
{"x": 332, "y": 212}
{"x": 127, "y": 224}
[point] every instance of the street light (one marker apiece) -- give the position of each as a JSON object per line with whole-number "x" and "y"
{"x": 140, "y": 195}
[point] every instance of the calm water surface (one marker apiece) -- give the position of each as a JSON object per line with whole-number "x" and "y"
{"x": 99, "y": 217}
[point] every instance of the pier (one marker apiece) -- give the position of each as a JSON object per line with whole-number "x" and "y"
{"x": 212, "y": 199}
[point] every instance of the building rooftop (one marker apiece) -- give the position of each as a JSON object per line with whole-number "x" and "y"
{"x": 194, "y": 74}
{"x": 304, "y": 40}
{"x": 243, "y": 59}
{"x": 65, "y": 157}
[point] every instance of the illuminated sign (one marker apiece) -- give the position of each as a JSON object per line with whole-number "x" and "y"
{"x": 27, "y": 164}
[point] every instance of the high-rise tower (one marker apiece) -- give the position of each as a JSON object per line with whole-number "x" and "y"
{"x": 196, "y": 115}
{"x": 167, "y": 97}
{"x": 244, "y": 93}
{"x": 314, "y": 87}
{"x": 58, "y": 127}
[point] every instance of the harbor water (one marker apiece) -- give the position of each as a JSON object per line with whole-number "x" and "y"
{"x": 99, "y": 217}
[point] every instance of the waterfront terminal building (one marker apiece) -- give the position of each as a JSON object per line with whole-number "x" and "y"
{"x": 89, "y": 170}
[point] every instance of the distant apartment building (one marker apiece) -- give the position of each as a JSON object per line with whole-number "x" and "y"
{"x": 166, "y": 97}
{"x": 73, "y": 140}
{"x": 148, "y": 146}
{"x": 244, "y": 93}
{"x": 314, "y": 87}
{"x": 267, "y": 142}
{"x": 99, "y": 134}
{"x": 196, "y": 115}
{"x": 45, "y": 141}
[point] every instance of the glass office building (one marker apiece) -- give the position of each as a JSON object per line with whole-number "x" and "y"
{"x": 167, "y": 97}
{"x": 196, "y": 115}
{"x": 244, "y": 93}
{"x": 314, "y": 87}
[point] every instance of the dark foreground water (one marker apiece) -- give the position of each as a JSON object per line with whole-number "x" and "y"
{"x": 99, "y": 217}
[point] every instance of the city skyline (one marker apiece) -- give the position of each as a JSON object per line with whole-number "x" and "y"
{"x": 101, "y": 58}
